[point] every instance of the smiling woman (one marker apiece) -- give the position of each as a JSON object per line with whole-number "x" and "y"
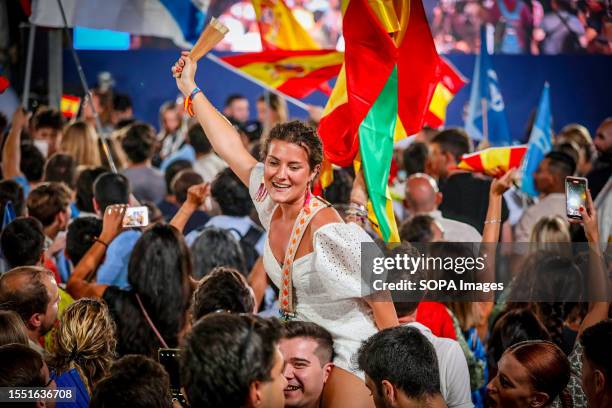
{"x": 312, "y": 256}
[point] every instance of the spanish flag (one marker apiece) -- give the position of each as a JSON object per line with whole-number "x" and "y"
{"x": 294, "y": 73}
{"x": 451, "y": 81}
{"x": 69, "y": 106}
{"x": 279, "y": 28}
{"x": 494, "y": 161}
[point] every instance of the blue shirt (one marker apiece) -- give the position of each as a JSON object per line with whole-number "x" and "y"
{"x": 114, "y": 269}
{"x": 72, "y": 379}
{"x": 23, "y": 182}
{"x": 238, "y": 226}
{"x": 184, "y": 153}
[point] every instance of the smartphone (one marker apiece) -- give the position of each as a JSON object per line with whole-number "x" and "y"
{"x": 136, "y": 217}
{"x": 575, "y": 196}
{"x": 169, "y": 359}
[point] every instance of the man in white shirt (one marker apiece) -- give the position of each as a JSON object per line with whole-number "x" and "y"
{"x": 549, "y": 180}
{"x": 454, "y": 374}
{"x": 423, "y": 198}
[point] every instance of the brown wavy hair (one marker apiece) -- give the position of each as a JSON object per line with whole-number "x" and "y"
{"x": 85, "y": 340}
{"x": 300, "y": 134}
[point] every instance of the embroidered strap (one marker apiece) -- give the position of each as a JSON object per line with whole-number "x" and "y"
{"x": 151, "y": 325}
{"x": 287, "y": 298}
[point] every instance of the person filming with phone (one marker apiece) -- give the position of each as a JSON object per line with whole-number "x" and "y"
{"x": 549, "y": 180}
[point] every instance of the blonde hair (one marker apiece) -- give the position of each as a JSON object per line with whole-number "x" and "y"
{"x": 85, "y": 340}
{"x": 81, "y": 142}
{"x": 551, "y": 234}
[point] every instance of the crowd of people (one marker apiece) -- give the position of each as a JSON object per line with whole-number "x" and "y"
{"x": 523, "y": 26}
{"x": 255, "y": 283}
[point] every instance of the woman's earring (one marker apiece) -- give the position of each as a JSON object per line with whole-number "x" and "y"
{"x": 307, "y": 198}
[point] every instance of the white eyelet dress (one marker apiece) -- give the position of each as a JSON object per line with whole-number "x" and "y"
{"x": 327, "y": 282}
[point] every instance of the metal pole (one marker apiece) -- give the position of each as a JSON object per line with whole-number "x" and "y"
{"x": 88, "y": 95}
{"x": 25, "y": 101}
{"x": 55, "y": 68}
{"x": 485, "y": 122}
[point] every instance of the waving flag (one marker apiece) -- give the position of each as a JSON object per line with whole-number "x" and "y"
{"x": 386, "y": 84}
{"x": 486, "y": 117}
{"x": 494, "y": 161}
{"x": 180, "y": 21}
{"x": 69, "y": 106}
{"x": 540, "y": 143}
{"x": 451, "y": 81}
{"x": 295, "y": 73}
{"x": 279, "y": 28}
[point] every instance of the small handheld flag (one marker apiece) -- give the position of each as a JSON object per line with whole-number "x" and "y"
{"x": 494, "y": 161}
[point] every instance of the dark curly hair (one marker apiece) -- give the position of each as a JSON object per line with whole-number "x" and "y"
{"x": 139, "y": 142}
{"x": 298, "y": 133}
{"x": 222, "y": 289}
{"x": 224, "y": 354}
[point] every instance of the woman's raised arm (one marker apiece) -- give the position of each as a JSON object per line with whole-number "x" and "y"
{"x": 224, "y": 139}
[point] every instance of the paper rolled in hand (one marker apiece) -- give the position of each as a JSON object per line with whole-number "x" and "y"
{"x": 212, "y": 34}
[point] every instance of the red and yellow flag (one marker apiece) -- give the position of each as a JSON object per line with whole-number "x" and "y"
{"x": 451, "y": 81}
{"x": 69, "y": 106}
{"x": 384, "y": 89}
{"x": 294, "y": 73}
{"x": 279, "y": 28}
{"x": 494, "y": 161}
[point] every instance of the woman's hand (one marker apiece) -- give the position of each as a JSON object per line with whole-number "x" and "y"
{"x": 112, "y": 223}
{"x": 500, "y": 185}
{"x": 589, "y": 220}
{"x": 184, "y": 72}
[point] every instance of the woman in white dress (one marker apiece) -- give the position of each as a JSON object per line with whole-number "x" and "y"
{"x": 324, "y": 284}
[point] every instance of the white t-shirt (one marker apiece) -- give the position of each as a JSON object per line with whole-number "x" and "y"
{"x": 454, "y": 374}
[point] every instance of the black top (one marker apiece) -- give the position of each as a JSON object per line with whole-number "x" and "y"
{"x": 466, "y": 199}
{"x": 134, "y": 335}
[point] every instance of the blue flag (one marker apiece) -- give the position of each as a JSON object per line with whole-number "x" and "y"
{"x": 485, "y": 94}
{"x": 9, "y": 214}
{"x": 540, "y": 143}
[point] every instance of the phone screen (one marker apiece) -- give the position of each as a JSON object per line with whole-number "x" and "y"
{"x": 575, "y": 196}
{"x": 169, "y": 358}
{"x": 136, "y": 217}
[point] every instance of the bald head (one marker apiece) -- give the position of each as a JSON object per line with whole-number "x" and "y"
{"x": 603, "y": 137}
{"x": 32, "y": 293}
{"x": 422, "y": 194}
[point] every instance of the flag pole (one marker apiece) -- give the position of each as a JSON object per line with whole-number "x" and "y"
{"x": 288, "y": 98}
{"x": 25, "y": 100}
{"x": 88, "y": 95}
{"x": 485, "y": 122}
